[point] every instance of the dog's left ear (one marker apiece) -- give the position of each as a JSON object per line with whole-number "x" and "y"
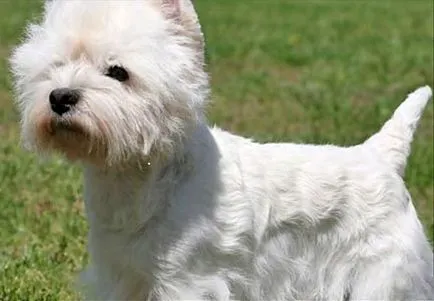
{"x": 171, "y": 8}
{"x": 183, "y": 13}
{"x": 178, "y": 8}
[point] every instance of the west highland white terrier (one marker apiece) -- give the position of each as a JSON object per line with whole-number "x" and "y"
{"x": 181, "y": 211}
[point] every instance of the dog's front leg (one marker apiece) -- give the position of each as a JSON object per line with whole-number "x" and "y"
{"x": 188, "y": 286}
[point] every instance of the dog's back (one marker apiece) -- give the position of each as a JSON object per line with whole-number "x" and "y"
{"x": 329, "y": 223}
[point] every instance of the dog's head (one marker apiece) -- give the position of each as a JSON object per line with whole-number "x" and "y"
{"x": 111, "y": 81}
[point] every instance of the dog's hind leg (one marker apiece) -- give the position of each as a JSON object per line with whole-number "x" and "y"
{"x": 400, "y": 266}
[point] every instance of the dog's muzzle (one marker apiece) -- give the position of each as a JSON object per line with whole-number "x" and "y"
{"x": 63, "y": 100}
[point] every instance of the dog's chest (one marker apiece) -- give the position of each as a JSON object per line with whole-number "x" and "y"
{"x": 122, "y": 262}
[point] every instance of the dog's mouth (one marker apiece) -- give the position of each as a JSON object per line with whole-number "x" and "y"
{"x": 64, "y": 125}
{"x": 75, "y": 135}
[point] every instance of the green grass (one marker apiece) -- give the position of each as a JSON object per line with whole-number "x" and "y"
{"x": 323, "y": 72}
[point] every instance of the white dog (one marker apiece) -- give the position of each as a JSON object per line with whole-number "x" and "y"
{"x": 181, "y": 211}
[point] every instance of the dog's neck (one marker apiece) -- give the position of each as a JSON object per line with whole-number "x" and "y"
{"x": 129, "y": 198}
{"x": 116, "y": 199}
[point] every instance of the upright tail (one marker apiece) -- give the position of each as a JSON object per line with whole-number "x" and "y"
{"x": 394, "y": 139}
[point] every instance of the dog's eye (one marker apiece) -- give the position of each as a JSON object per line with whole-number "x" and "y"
{"x": 117, "y": 72}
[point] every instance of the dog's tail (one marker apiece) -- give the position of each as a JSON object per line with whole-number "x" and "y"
{"x": 393, "y": 141}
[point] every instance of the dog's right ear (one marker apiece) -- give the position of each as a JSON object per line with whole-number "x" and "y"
{"x": 48, "y": 4}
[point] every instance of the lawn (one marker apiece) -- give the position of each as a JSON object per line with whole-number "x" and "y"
{"x": 304, "y": 71}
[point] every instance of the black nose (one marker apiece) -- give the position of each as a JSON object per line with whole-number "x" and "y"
{"x": 63, "y": 99}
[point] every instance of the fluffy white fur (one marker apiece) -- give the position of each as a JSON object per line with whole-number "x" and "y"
{"x": 214, "y": 216}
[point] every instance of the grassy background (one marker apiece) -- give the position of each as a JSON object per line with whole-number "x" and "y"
{"x": 282, "y": 70}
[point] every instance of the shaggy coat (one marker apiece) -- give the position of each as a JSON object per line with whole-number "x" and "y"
{"x": 181, "y": 211}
